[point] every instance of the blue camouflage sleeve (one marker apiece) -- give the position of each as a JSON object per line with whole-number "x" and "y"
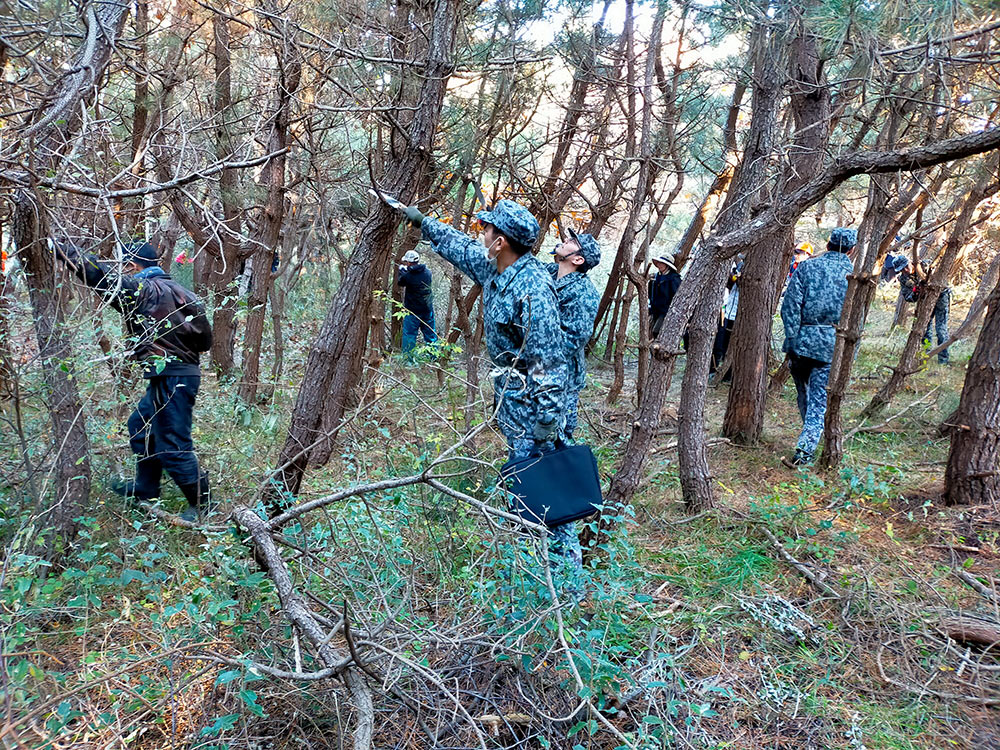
{"x": 543, "y": 352}
{"x": 791, "y": 309}
{"x": 456, "y": 247}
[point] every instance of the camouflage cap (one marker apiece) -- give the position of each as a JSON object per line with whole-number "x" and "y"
{"x": 844, "y": 238}
{"x": 589, "y": 249}
{"x": 513, "y": 220}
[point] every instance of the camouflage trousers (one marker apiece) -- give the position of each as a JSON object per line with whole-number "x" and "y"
{"x": 939, "y": 319}
{"x": 810, "y": 376}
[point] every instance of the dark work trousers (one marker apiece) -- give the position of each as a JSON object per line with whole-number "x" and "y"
{"x": 160, "y": 434}
{"x": 939, "y": 319}
{"x": 810, "y": 376}
{"x": 721, "y": 346}
{"x": 414, "y": 324}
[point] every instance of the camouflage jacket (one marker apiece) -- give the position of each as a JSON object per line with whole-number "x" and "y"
{"x": 813, "y": 303}
{"x": 521, "y": 319}
{"x": 158, "y": 313}
{"x": 578, "y": 301}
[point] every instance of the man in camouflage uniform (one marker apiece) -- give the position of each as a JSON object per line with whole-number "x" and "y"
{"x": 578, "y": 301}
{"x": 811, "y": 311}
{"x": 523, "y": 335}
{"x": 917, "y": 283}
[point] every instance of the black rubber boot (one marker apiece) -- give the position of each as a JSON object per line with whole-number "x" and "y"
{"x": 199, "y": 497}
{"x": 145, "y": 486}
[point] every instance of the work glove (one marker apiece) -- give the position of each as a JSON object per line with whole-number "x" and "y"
{"x": 546, "y": 432}
{"x": 414, "y": 216}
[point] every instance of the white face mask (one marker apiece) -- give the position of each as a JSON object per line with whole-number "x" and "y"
{"x": 489, "y": 250}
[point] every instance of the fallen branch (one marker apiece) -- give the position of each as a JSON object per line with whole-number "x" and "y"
{"x": 924, "y": 691}
{"x": 800, "y": 566}
{"x": 968, "y": 629}
{"x": 894, "y": 417}
{"x": 302, "y": 618}
{"x": 984, "y": 591}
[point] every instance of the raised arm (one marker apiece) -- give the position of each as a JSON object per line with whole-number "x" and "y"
{"x": 463, "y": 252}
{"x": 118, "y": 289}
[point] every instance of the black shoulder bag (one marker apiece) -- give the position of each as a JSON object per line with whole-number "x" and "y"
{"x": 555, "y": 487}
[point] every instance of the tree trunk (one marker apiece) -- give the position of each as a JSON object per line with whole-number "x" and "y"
{"x": 692, "y": 457}
{"x": 971, "y": 476}
{"x": 53, "y": 124}
{"x": 7, "y": 373}
{"x": 71, "y": 444}
{"x": 648, "y": 173}
{"x": 342, "y": 334}
{"x": 721, "y": 183}
{"x": 899, "y": 313}
{"x": 165, "y": 238}
{"x": 747, "y": 187}
{"x": 619, "y": 344}
{"x": 725, "y": 245}
{"x": 861, "y": 285}
{"x": 131, "y": 210}
{"x": 548, "y": 202}
{"x": 269, "y": 223}
{"x": 223, "y": 264}
{"x": 766, "y": 263}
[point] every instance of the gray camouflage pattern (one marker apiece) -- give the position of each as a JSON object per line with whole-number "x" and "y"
{"x": 521, "y": 327}
{"x": 812, "y": 305}
{"x": 810, "y": 387}
{"x": 939, "y": 319}
{"x": 843, "y": 237}
{"x": 578, "y": 302}
{"x": 513, "y": 220}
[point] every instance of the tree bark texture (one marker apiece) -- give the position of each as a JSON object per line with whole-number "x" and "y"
{"x": 971, "y": 476}
{"x": 721, "y": 183}
{"x": 692, "y": 454}
{"x": 222, "y": 265}
{"x": 304, "y": 622}
{"x": 746, "y": 190}
{"x": 766, "y": 263}
{"x": 47, "y": 136}
{"x": 342, "y": 336}
{"x": 71, "y": 445}
{"x": 272, "y": 179}
{"x": 861, "y": 285}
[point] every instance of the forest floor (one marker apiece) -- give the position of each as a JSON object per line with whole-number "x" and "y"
{"x": 704, "y": 625}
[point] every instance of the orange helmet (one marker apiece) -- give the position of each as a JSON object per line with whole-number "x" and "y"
{"x": 805, "y": 247}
